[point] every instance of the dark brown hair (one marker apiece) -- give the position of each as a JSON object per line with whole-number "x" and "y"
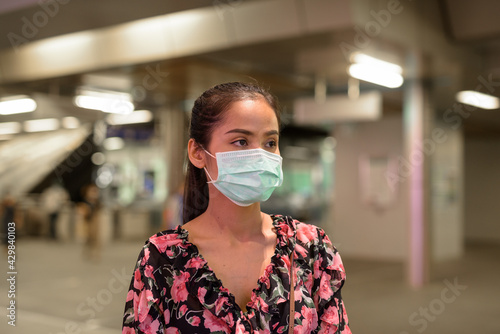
{"x": 208, "y": 110}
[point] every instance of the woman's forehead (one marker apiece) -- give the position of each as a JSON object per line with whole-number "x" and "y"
{"x": 251, "y": 112}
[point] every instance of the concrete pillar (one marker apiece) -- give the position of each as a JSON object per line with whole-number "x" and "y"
{"x": 173, "y": 135}
{"x": 417, "y": 119}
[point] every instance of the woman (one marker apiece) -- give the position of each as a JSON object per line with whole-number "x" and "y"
{"x": 227, "y": 269}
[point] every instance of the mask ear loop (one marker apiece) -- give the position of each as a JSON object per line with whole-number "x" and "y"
{"x": 206, "y": 171}
{"x": 211, "y": 180}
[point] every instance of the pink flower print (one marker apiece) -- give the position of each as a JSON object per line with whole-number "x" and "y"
{"x": 138, "y": 284}
{"x": 195, "y": 263}
{"x": 229, "y": 319}
{"x": 279, "y": 329}
{"x": 300, "y": 250}
{"x": 163, "y": 242}
{"x": 309, "y": 321}
{"x": 172, "y": 330}
{"x": 346, "y": 320}
{"x": 325, "y": 290}
{"x": 201, "y": 294}
{"x": 330, "y": 316}
{"x": 130, "y": 295}
{"x": 308, "y": 282}
{"x": 327, "y": 328}
{"x": 285, "y": 230}
{"x": 282, "y": 330}
{"x": 263, "y": 305}
{"x": 253, "y": 301}
{"x": 264, "y": 331}
{"x": 306, "y": 233}
{"x": 145, "y": 258}
{"x": 194, "y": 321}
{"x": 317, "y": 267}
{"x": 336, "y": 263}
{"x": 213, "y": 323}
{"x": 220, "y": 303}
{"x": 280, "y": 300}
{"x": 149, "y": 325}
{"x": 240, "y": 328}
{"x": 265, "y": 277}
{"x": 183, "y": 310}
{"x": 141, "y": 306}
{"x": 148, "y": 271}
{"x": 166, "y": 316}
{"x": 179, "y": 291}
{"x": 128, "y": 330}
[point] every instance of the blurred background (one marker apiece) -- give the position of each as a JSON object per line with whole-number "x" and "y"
{"x": 390, "y": 140}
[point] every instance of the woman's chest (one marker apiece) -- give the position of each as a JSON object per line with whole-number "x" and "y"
{"x": 239, "y": 270}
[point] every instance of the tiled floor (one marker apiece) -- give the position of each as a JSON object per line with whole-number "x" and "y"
{"x": 57, "y": 292}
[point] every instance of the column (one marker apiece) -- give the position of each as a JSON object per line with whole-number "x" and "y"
{"x": 417, "y": 119}
{"x": 174, "y": 138}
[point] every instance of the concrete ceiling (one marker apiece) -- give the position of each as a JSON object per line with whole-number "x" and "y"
{"x": 69, "y": 16}
{"x": 461, "y": 38}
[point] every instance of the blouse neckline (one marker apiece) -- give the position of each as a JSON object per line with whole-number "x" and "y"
{"x": 226, "y": 301}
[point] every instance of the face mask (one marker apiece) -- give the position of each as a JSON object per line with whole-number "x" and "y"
{"x": 247, "y": 176}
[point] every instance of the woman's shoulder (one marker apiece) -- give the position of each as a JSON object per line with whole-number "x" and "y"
{"x": 168, "y": 238}
{"x": 301, "y": 231}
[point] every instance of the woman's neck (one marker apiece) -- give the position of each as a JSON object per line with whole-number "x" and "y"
{"x": 233, "y": 221}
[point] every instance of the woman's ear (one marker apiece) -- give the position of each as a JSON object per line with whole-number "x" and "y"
{"x": 196, "y": 154}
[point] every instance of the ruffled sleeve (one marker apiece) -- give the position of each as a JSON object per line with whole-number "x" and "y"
{"x": 329, "y": 277}
{"x": 143, "y": 310}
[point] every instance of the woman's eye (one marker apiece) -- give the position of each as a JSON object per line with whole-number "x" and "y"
{"x": 240, "y": 142}
{"x": 272, "y": 143}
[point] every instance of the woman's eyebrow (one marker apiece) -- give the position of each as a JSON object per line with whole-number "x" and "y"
{"x": 250, "y": 133}
{"x": 243, "y": 131}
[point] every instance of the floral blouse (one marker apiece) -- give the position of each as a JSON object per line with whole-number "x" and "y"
{"x": 173, "y": 290}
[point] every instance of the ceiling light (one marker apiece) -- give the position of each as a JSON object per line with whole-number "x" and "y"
{"x": 106, "y": 101}
{"x": 16, "y": 105}
{"x": 477, "y": 99}
{"x": 376, "y": 75}
{"x": 361, "y": 58}
{"x": 98, "y": 158}
{"x": 138, "y": 116}
{"x": 8, "y": 128}
{"x": 38, "y": 125}
{"x": 377, "y": 71}
{"x": 113, "y": 143}
{"x": 70, "y": 122}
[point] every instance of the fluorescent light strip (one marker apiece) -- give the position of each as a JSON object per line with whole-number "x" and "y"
{"x": 70, "y": 122}
{"x": 376, "y": 75}
{"x": 39, "y": 125}
{"x": 477, "y": 99}
{"x": 104, "y": 93}
{"x": 361, "y": 58}
{"x": 8, "y": 128}
{"x": 138, "y": 116}
{"x": 108, "y": 105}
{"x": 106, "y": 101}
{"x": 17, "y": 105}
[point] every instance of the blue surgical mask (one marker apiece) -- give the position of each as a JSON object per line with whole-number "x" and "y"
{"x": 247, "y": 176}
